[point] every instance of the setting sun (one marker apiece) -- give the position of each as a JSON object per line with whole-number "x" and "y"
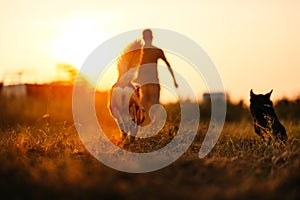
{"x": 79, "y": 38}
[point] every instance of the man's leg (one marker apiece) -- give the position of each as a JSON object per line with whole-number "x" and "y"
{"x": 155, "y": 90}
{"x": 150, "y": 96}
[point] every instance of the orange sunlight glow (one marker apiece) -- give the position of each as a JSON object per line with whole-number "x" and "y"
{"x": 80, "y": 37}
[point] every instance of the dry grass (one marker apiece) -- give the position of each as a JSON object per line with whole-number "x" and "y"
{"x": 44, "y": 158}
{"x": 49, "y": 161}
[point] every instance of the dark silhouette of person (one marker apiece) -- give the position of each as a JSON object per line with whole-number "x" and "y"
{"x": 148, "y": 72}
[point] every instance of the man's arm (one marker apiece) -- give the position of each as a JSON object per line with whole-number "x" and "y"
{"x": 169, "y": 68}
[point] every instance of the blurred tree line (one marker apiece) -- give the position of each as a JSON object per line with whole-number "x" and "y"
{"x": 55, "y": 101}
{"x": 288, "y": 109}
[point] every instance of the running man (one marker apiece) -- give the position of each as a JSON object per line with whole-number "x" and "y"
{"x": 148, "y": 72}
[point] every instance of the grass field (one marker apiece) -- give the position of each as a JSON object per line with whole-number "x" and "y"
{"x": 42, "y": 157}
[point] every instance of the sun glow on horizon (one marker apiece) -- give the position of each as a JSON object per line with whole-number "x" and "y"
{"x": 79, "y": 38}
{"x": 254, "y": 44}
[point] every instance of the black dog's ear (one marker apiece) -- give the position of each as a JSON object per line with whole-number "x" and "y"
{"x": 269, "y": 94}
{"x": 251, "y": 93}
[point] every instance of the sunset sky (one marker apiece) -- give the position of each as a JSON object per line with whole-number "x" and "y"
{"x": 254, "y": 44}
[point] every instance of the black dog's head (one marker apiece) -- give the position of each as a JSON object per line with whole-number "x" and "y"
{"x": 261, "y": 99}
{"x": 266, "y": 124}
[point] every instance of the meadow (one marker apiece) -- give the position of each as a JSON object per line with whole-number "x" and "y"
{"x": 42, "y": 156}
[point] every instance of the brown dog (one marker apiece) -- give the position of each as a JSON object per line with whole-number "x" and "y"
{"x": 125, "y": 99}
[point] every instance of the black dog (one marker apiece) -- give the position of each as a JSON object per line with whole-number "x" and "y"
{"x": 266, "y": 123}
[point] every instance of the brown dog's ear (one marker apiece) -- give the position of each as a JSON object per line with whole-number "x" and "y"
{"x": 269, "y": 94}
{"x": 251, "y": 93}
